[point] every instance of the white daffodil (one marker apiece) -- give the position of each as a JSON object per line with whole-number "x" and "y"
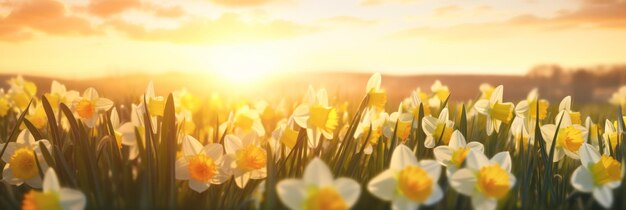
{"x": 593, "y": 131}
{"x": 398, "y": 123}
{"x": 598, "y": 175}
{"x": 407, "y": 183}
{"x": 89, "y": 105}
{"x": 570, "y": 137}
{"x": 54, "y": 196}
{"x": 21, "y": 164}
{"x": 520, "y": 132}
{"x": 610, "y": 136}
{"x": 125, "y": 133}
{"x": 59, "y": 94}
{"x": 566, "y": 105}
{"x": 284, "y": 134}
{"x": 374, "y": 121}
{"x": 527, "y": 109}
{"x": 441, "y": 91}
{"x": 156, "y": 104}
{"x": 246, "y": 159}
{"x": 377, "y": 96}
{"x": 495, "y": 110}
{"x": 317, "y": 190}
{"x": 247, "y": 120}
{"x": 202, "y": 166}
{"x": 484, "y": 180}
{"x": 437, "y": 128}
{"x": 453, "y": 155}
{"x": 21, "y": 92}
{"x": 412, "y": 104}
{"x": 317, "y": 117}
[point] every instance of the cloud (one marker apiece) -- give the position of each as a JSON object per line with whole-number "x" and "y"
{"x": 228, "y": 28}
{"x": 47, "y": 16}
{"x": 167, "y": 12}
{"x": 346, "y": 21}
{"x": 377, "y": 2}
{"x": 104, "y": 8}
{"x": 447, "y": 10}
{"x": 243, "y": 3}
{"x": 588, "y": 16}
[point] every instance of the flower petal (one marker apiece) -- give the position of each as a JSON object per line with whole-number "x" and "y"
{"x": 476, "y": 146}
{"x": 483, "y": 203}
{"x": 503, "y": 159}
{"x": 443, "y": 154}
{"x": 457, "y": 140}
{"x": 348, "y": 189}
{"x": 582, "y": 180}
{"x": 198, "y": 186}
{"x": 476, "y": 160}
{"x": 214, "y": 151}
{"x": 51, "y": 182}
{"x": 432, "y": 168}
{"x": 292, "y": 193}
{"x": 191, "y": 146}
{"x": 435, "y": 196}
{"x": 383, "y": 185}
{"x": 464, "y": 181}
{"x": 604, "y": 196}
{"x": 403, "y": 203}
{"x": 317, "y": 173}
{"x": 232, "y": 144}
{"x": 429, "y": 124}
{"x": 402, "y": 157}
{"x": 72, "y": 199}
{"x": 182, "y": 171}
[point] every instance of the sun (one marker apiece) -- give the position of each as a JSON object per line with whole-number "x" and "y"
{"x": 243, "y": 64}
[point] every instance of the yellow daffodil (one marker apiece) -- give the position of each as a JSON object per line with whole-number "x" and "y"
{"x": 246, "y": 159}
{"x": 89, "y": 105}
{"x": 441, "y": 91}
{"x": 403, "y": 128}
{"x": 37, "y": 116}
{"x": 495, "y": 110}
{"x": 597, "y": 174}
{"x": 156, "y": 104}
{"x": 372, "y": 120}
{"x": 317, "y": 117}
{"x": 377, "y": 96}
{"x": 566, "y": 105}
{"x": 437, "y": 128}
{"x": 570, "y": 136}
{"x": 201, "y": 166}
{"x": 484, "y": 180}
{"x": 53, "y": 196}
{"x": 248, "y": 120}
{"x": 284, "y": 134}
{"x": 59, "y": 94}
{"x": 486, "y": 90}
{"x": 21, "y": 92}
{"x": 407, "y": 183}
{"x": 20, "y": 157}
{"x": 453, "y": 155}
{"x": 610, "y": 136}
{"x": 317, "y": 190}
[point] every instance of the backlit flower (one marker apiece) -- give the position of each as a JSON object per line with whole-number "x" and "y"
{"x": 495, "y": 110}
{"x": 201, "y": 166}
{"x": 598, "y": 175}
{"x": 21, "y": 164}
{"x": 53, "y": 196}
{"x": 246, "y": 158}
{"x": 437, "y": 129}
{"x": 89, "y": 105}
{"x": 453, "y": 155}
{"x": 317, "y": 117}
{"x": 569, "y": 139}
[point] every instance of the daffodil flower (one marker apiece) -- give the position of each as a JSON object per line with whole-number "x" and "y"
{"x": 89, "y": 105}
{"x": 317, "y": 190}
{"x": 484, "y": 180}
{"x": 593, "y": 131}
{"x": 59, "y": 94}
{"x": 156, "y": 104}
{"x": 377, "y": 96}
{"x": 598, "y": 175}
{"x": 317, "y": 117}
{"x": 441, "y": 91}
{"x": 404, "y": 123}
{"x": 37, "y": 116}
{"x": 407, "y": 183}
{"x": 495, "y": 110}
{"x": 21, "y": 164}
{"x": 566, "y": 105}
{"x": 284, "y": 134}
{"x": 413, "y": 103}
{"x": 520, "y": 132}
{"x": 527, "y": 109}
{"x": 570, "y": 137}
{"x": 246, "y": 158}
{"x": 247, "y": 120}
{"x": 21, "y": 92}
{"x": 53, "y": 196}
{"x": 453, "y": 155}
{"x": 486, "y": 90}
{"x": 610, "y": 136}
{"x": 201, "y": 166}
{"x": 373, "y": 120}
{"x": 437, "y": 128}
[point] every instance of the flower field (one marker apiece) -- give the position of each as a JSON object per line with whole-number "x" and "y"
{"x": 77, "y": 149}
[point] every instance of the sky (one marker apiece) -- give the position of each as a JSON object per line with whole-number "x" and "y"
{"x": 254, "y": 38}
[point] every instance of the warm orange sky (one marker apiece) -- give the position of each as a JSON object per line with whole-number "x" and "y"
{"x": 86, "y": 38}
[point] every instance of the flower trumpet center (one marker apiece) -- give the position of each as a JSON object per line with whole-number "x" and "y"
{"x": 377, "y": 99}
{"x": 415, "y": 183}
{"x": 502, "y": 111}
{"x": 289, "y": 137}
{"x": 442, "y": 132}
{"x": 202, "y": 167}
{"x": 575, "y": 116}
{"x": 543, "y": 109}
{"x": 85, "y": 108}
{"x": 23, "y": 163}
{"x": 325, "y": 199}
{"x": 493, "y": 181}
{"x": 156, "y": 106}
{"x": 606, "y": 170}
{"x": 459, "y": 155}
{"x": 570, "y": 138}
{"x": 244, "y": 122}
{"x": 34, "y": 200}
{"x": 322, "y": 117}
{"x": 251, "y": 158}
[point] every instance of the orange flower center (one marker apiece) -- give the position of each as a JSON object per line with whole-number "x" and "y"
{"x": 251, "y": 158}
{"x": 202, "y": 167}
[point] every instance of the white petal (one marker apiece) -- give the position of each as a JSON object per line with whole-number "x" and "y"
{"x": 435, "y": 196}
{"x": 232, "y": 144}
{"x": 564, "y": 118}
{"x": 403, "y": 203}
{"x": 103, "y": 104}
{"x": 443, "y": 154}
{"x": 521, "y": 109}
{"x": 214, "y": 151}
{"x": 72, "y": 199}
{"x": 317, "y": 173}
{"x": 51, "y": 182}
{"x": 198, "y": 186}
{"x": 444, "y": 116}
{"x": 604, "y": 196}
{"x": 7, "y": 176}
{"x": 547, "y": 132}
{"x": 464, "y": 181}
{"x": 383, "y": 185}
{"x": 457, "y": 140}
{"x": 429, "y": 142}
{"x": 182, "y": 171}
{"x": 429, "y": 124}
{"x": 482, "y": 106}
{"x": 566, "y": 103}
{"x": 503, "y": 159}
{"x": 373, "y": 83}
{"x": 348, "y": 189}
{"x": 588, "y": 154}
{"x": 489, "y": 126}
{"x": 476, "y": 146}
{"x": 25, "y": 137}
{"x": 292, "y": 193}
{"x": 241, "y": 179}
{"x": 496, "y": 95}
{"x": 322, "y": 97}
{"x": 90, "y": 94}
{"x": 476, "y": 160}
{"x": 402, "y": 157}
{"x": 191, "y": 146}
{"x": 8, "y": 152}
{"x": 432, "y": 168}
{"x": 582, "y": 180}
{"x": 301, "y": 115}
{"x": 483, "y": 203}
